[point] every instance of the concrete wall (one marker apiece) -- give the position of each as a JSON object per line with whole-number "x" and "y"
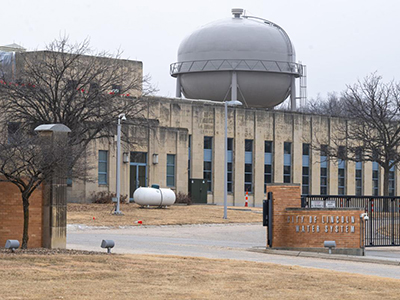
{"x": 175, "y": 119}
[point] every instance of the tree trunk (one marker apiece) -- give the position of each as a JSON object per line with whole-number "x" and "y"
{"x": 386, "y": 205}
{"x": 386, "y": 171}
{"x": 25, "y": 236}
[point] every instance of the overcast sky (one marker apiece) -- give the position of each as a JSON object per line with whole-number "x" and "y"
{"x": 339, "y": 41}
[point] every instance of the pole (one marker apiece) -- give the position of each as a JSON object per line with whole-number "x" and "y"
{"x": 226, "y": 163}
{"x": 293, "y": 94}
{"x": 117, "y": 210}
{"x": 234, "y": 86}
{"x": 178, "y": 87}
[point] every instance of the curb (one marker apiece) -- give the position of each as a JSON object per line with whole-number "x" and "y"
{"x": 361, "y": 259}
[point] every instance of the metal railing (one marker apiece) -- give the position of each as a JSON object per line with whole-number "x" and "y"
{"x": 236, "y": 65}
{"x": 383, "y": 226}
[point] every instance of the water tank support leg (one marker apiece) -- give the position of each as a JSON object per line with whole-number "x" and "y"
{"x": 178, "y": 87}
{"x": 234, "y": 86}
{"x": 293, "y": 94}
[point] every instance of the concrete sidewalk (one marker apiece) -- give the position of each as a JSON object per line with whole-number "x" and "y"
{"x": 376, "y": 256}
{"x": 220, "y": 241}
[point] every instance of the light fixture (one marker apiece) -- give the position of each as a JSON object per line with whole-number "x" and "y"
{"x": 12, "y": 244}
{"x": 155, "y": 158}
{"x": 226, "y": 104}
{"x": 330, "y": 245}
{"x": 107, "y": 244}
{"x": 125, "y": 157}
{"x": 121, "y": 117}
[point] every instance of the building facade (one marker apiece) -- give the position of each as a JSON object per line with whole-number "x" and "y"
{"x": 185, "y": 139}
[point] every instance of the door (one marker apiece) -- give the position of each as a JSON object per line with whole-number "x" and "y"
{"x": 198, "y": 190}
{"x": 137, "y": 172}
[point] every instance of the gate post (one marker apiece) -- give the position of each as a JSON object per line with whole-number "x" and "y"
{"x": 55, "y": 188}
{"x": 270, "y": 219}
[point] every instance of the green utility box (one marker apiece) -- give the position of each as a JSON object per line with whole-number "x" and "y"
{"x": 198, "y": 190}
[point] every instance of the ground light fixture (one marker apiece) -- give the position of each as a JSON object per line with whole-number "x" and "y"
{"x": 330, "y": 245}
{"x": 121, "y": 117}
{"x": 108, "y": 244}
{"x": 227, "y": 103}
{"x": 12, "y": 244}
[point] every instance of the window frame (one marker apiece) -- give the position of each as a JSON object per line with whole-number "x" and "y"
{"x": 169, "y": 165}
{"x": 98, "y": 166}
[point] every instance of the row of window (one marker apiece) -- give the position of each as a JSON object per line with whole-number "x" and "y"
{"x": 268, "y": 168}
{"x": 287, "y": 168}
{"x": 248, "y": 163}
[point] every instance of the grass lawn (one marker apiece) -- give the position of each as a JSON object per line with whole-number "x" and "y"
{"x": 100, "y": 276}
{"x": 173, "y": 215}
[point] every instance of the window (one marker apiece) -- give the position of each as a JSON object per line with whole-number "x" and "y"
{"x": 13, "y": 132}
{"x": 341, "y": 170}
{"x": 287, "y": 162}
{"x": 324, "y": 170}
{"x": 69, "y": 179}
{"x": 341, "y": 177}
{"x": 69, "y": 172}
{"x": 305, "y": 189}
{"x": 248, "y": 166}
{"x": 229, "y": 173}
{"x": 94, "y": 88}
{"x": 138, "y": 157}
{"x": 359, "y": 172}
{"x": 375, "y": 178}
{"x": 392, "y": 181}
{"x": 170, "y": 170}
{"x": 72, "y": 85}
{"x": 268, "y": 178}
{"x": 103, "y": 167}
{"x": 116, "y": 89}
{"x": 207, "y": 167}
{"x": 190, "y": 142}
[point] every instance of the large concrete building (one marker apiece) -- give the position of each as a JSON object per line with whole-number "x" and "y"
{"x": 185, "y": 139}
{"x": 239, "y": 58}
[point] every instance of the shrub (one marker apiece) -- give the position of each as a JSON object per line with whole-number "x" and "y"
{"x": 183, "y": 198}
{"x": 105, "y": 197}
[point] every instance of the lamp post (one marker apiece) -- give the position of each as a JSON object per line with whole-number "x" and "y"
{"x": 121, "y": 117}
{"x": 230, "y": 103}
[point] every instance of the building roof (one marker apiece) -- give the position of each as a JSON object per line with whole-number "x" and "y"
{"x": 12, "y": 48}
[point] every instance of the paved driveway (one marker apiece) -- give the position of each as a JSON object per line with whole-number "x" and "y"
{"x": 211, "y": 241}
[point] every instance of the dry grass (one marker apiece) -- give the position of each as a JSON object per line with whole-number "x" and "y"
{"x": 61, "y": 276}
{"x": 174, "y": 215}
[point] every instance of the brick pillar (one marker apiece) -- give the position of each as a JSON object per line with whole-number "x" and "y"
{"x": 55, "y": 191}
{"x": 284, "y": 195}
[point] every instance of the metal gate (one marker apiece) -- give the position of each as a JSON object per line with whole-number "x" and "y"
{"x": 383, "y": 226}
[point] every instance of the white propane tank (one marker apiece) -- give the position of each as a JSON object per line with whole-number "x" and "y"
{"x": 148, "y": 196}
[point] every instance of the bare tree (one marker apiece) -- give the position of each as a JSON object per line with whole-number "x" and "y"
{"x": 68, "y": 84}
{"x": 26, "y": 160}
{"x": 371, "y": 130}
{"x": 333, "y": 106}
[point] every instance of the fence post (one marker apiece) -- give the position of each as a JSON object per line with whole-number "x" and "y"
{"x": 370, "y": 212}
{"x": 392, "y": 211}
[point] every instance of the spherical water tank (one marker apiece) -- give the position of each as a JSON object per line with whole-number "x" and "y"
{"x": 147, "y": 196}
{"x": 258, "y": 51}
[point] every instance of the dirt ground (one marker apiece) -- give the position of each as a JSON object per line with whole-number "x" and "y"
{"x": 75, "y": 275}
{"x": 100, "y": 215}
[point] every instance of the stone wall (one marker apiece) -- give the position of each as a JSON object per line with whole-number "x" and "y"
{"x": 177, "y": 119}
{"x": 12, "y": 218}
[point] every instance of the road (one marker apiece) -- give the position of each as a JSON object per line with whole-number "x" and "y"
{"x": 215, "y": 241}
